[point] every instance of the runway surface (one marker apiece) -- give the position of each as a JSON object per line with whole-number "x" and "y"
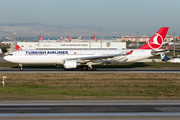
{"x": 99, "y": 70}
{"x": 90, "y": 109}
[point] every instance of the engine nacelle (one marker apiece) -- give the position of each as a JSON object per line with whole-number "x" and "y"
{"x": 70, "y": 64}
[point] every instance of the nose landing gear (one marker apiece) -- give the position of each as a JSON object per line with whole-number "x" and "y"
{"x": 21, "y": 67}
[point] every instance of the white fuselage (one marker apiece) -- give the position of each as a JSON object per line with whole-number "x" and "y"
{"x": 59, "y": 56}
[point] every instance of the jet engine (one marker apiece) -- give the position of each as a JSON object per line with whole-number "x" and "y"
{"x": 70, "y": 64}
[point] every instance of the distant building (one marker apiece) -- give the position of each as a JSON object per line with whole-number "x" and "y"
{"x": 105, "y": 44}
{"x": 144, "y": 38}
{"x": 168, "y": 38}
{"x": 129, "y": 38}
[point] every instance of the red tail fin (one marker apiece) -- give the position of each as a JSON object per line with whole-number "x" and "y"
{"x": 95, "y": 38}
{"x": 60, "y": 39}
{"x": 40, "y": 38}
{"x": 167, "y": 47}
{"x": 15, "y": 40}
{"x": 18, "y": 48}
{"x": 156, "y": 41}
{"x": 68, "y": 38}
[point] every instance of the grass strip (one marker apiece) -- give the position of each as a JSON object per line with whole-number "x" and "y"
{"x": 90, "y": 86}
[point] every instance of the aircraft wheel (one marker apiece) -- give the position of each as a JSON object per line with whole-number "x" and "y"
{"x": 84, "y": 68}
{"x": 93, "y": 69}
{"x": 89, "y": 69}
{"x": 21, "y": 68}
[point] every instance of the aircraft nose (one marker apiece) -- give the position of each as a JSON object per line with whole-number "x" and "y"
{"x": 5, "y": 58}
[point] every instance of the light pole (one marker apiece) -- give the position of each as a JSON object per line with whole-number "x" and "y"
{"x": 174, "y": 46}
{"x": 89, "y": 34}
{"x": 137, "y": 38}
{"x": 24, "y": 37}
{"x": 89, "y": 39}
{"x": 101, "y": 38}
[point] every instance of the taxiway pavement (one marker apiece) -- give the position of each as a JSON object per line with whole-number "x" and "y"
{"x": 99, "y": 70}
{"x": 90, "y": 109}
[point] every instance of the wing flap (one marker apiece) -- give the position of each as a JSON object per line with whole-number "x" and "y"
{"x": 102, "y": 57}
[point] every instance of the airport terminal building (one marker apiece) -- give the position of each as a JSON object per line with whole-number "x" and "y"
{"x": 104, "y": 44}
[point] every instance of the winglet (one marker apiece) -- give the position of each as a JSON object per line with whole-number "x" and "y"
{"x": 18, "y": 48}
{"x": 130, "y": 52}
{"x": 167, "y": 47}
{"x": 95, "y": 38}
{"x": 40, "y": 38}
{"x": 68, "y": 38}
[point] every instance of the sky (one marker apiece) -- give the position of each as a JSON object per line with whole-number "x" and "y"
{"x": 117, "y": 15}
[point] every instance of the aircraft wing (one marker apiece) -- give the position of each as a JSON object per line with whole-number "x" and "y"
{"x": 96, "y": 58}
{"x": 157, "y": 52}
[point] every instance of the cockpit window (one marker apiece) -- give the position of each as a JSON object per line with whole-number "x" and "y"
{"x": 10, "y": 54}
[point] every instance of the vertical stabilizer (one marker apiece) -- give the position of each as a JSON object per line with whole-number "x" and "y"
{"x": 18, "y": 48}
{"x": 60, "y": 39}
{"x": 95, "y": 39}
{"x": 68, "y": 38}
{"x": 40, "y": 38}
{"x": 156, "y": 41}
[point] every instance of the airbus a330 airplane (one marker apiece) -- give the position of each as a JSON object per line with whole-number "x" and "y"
{"x": 88, "y": 58}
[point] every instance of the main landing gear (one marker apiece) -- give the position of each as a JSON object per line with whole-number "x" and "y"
{"x": 86, "y": 68}
{"x": 21, "y": 67}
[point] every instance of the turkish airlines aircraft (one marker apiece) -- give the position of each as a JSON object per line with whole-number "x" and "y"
{"x": 15, "y": 40}
{"x": 60, "y": 39}
{"x": 68, "y": 38}
{"x": 40, "y": 38}
{"x": 95, "y": 39}
{"x": 88, "y": 58}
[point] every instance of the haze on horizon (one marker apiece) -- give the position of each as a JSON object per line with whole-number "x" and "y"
{"x": 116, "y": 15}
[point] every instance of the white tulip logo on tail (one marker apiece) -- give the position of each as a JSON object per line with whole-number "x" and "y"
{"x": 156, "y": 42}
